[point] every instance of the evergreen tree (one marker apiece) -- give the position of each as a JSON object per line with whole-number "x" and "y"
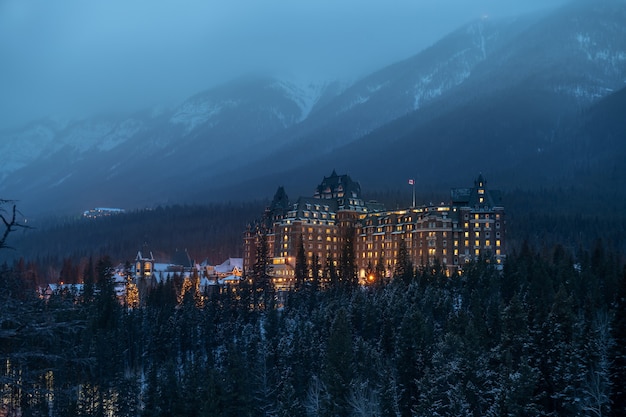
{"x": 618, "y": 356}
{"x": 263, "y": 289}
{"x": 411, "y": 353}
{"x": 380, "y": 273}
{"x": 316, "y": 272}
{"x": 338, "y": 365}
{"x": 404, "y": 267}
{"x": 347, "y": 263}
{"x": 330, "y": 272}
{"x": 89, "y": 281}
{"x": 301, "y": 270}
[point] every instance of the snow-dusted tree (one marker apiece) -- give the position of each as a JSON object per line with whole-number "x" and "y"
{"x": 618, "y": 352}
{"x": 316, "y": 401}
{"x": 364, "y": 400}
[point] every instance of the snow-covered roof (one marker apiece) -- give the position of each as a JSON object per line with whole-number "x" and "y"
{"x": 229, "y": 279}
{"x": 78, "y": 288}
{"x": 228, "y": 265}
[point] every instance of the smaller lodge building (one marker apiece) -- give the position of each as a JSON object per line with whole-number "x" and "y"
{"x": 470, "y": 226}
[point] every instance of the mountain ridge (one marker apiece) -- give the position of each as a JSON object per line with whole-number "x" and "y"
{"x": 493, "y": 96}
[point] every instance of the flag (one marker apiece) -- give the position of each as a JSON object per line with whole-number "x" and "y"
{"x": 411, "y": 182}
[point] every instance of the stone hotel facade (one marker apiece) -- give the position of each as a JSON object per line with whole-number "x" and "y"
{"x": 470, "y": 226}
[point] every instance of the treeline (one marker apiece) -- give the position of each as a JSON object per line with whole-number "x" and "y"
{"x": 546, "y": 336}
{"x": 61, "y": 248}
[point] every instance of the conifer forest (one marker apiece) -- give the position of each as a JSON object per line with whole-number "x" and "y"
{"x": 544, "y": 336}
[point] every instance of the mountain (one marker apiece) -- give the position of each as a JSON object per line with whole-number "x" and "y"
{"x": 144, "y": 158}
{"x": 505, "y": 97}
{"x": 514, "y": 115}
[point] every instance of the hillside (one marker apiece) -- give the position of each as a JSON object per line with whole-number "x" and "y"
{"x": 502, "y": 97}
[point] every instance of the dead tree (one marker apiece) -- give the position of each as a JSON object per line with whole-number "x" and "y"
{"x": 9, "y": 221}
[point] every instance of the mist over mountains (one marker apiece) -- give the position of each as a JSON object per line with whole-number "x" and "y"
{"x": 530, "y": 102}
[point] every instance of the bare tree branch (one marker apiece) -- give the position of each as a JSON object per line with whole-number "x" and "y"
{"x": 9, "y": 222}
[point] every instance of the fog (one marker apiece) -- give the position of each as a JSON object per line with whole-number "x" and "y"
{"x": 69, "y": 59}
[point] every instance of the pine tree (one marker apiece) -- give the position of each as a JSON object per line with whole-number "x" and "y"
{"x": 380, "y": 273}
{"x": 263, "y": 289}
{"x": 330, "y": 273}
{"x": 404, "y": 267}
{"x": 347, "y": 263}
{"x": 338, "y": 365}
{"x": 301, "y": 270}
{"x": 618, "y": 363}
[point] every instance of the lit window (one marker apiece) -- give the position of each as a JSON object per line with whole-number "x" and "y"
{"x": 476, "y": 225}
{"x": 477, "y": 252}
{"x": 477, "y": 243}
{"x": 487, "y": 243}
{"x": 477, "y": 234}
{"x": 498, "y": 243}
{"x": 466, "y": 234}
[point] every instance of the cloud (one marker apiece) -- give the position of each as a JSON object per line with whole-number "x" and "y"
{"x": 71, "y": 58}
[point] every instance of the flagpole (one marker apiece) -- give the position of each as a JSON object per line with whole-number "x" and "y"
{"x": 412, "y": 184}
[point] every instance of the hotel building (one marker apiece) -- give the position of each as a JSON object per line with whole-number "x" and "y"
{"x": 470, "y": 226}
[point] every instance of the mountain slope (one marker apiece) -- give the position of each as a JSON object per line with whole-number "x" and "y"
{"x": 146, "y": 157}
{"x": 508, "y": 116}
{"x": 502, "y": 97}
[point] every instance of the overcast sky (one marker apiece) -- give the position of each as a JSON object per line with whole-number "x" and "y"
{"x": 72, "y": 58}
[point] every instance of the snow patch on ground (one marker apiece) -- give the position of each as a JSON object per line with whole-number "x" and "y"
{"x": 357, "y": 101}
{"x": 305, "y": 95}
{"x": 86, "y": 135}
{"x": 61, "y": 181}
{"x": 120, "y": 134}
{"x": 197, "y": 112}
{"x": 19, "y": 148}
